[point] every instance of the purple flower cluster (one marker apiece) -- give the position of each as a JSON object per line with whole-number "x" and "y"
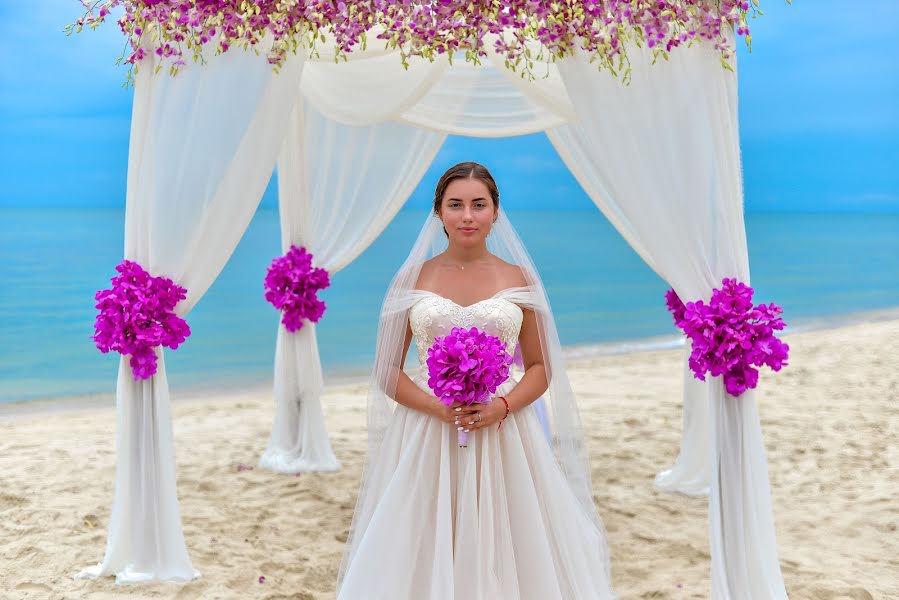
{"x": 731, "y": 337}
{"x": 136, "y": 315}
{"x": 292, "y": 285}
{"x": 467, "y": 366}
{"x": 174, "y": 28}
{"x": 675, "y": 306}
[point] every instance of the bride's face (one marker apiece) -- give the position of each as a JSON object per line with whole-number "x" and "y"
{"x": 467, "y": 212}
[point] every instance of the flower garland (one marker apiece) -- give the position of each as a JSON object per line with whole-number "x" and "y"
{"x": 136, "y": 315}
{"x": 176, "y": 30}
{"x": 730, "y": 336}
{"x": 292, "y": 285}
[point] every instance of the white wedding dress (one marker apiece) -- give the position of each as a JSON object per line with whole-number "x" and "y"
{"x": 494, "y": 521}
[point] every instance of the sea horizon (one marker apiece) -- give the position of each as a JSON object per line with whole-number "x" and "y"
{"x": 824, "y": 268}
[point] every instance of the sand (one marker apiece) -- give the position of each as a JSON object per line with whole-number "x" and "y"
{"x": 831, "y": 423}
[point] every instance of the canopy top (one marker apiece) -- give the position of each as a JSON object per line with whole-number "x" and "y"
{"x": 524, "y": 33}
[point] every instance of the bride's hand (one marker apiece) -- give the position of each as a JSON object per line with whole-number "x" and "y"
{"x": 451, "y": 414}
{"x": 484, "y": 415}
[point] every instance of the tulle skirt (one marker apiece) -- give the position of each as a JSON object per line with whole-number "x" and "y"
{"x": 493, "y": 521}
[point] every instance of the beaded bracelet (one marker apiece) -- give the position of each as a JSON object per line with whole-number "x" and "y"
{"x": 508, "y": 410}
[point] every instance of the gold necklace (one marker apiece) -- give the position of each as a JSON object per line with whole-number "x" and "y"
{"x": 460, "y": 266}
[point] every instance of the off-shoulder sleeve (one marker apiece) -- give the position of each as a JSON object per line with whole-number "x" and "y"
{"x": 525, "y": 297}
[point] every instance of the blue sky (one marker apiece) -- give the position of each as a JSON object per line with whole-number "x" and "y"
{"x": 819, "y": 115}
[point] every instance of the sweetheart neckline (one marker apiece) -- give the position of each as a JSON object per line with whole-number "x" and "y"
{"x": 466, "y": 306}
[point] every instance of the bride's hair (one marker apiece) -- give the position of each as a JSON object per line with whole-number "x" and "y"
{"x": 465, "y": 170}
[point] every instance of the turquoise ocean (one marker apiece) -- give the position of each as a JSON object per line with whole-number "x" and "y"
{"x": 822, "y": 268}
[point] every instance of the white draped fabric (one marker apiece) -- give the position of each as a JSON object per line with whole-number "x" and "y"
{"x": 691, "y": 471}
{"x": 201, "y": 153}
{"x": 335, "y": 209}
{"x": 387, "y": 135}
{"x": 660, "y": 157}
{"x": 462, "y": 99}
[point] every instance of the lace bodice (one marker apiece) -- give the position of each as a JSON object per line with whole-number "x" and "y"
{"x": 433, "y": 316}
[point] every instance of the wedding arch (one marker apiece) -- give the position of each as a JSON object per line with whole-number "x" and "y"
{"x": 658, "y": 155}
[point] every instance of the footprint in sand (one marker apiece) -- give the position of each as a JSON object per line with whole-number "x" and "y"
{"x": 9, "y": 501}
{"x": 90, "y": 521}
{"x": 855, "y": 593}
{"x": 32, "y": 587}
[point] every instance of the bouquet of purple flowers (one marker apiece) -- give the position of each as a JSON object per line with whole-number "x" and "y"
{"x": 292, "y": 285}
{"x": 730, "y": 336}
{"x": 136, "y": 315}
{"x": 467, "y": 366}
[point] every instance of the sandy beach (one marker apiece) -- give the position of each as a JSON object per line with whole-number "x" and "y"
{"x": 831, "y": 424}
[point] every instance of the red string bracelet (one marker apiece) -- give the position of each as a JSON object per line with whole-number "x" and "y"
{"x": 508, "y": 410}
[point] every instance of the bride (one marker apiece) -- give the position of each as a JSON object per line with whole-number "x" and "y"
{"x": 511, "y": 515}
